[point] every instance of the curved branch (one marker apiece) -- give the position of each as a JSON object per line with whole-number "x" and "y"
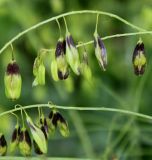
{"x": 127, "y": 112}
{"x": 67, "y": 14}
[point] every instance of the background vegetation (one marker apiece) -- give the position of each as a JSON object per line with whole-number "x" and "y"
{"x": 93, "y": 134}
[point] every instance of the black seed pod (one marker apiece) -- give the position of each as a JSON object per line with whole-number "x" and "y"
{"x": 139, "y": 58}
{"x": 25, "y": 144}
{"x": 44, "y": 126}
{"x": 62, "y": 65}
{"x": 15, "y": 138}
{"x": 58, "y": 120}
{"x": 3, "y": 145}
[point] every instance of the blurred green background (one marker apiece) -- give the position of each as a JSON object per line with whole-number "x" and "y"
{"x": 93, "y": 134}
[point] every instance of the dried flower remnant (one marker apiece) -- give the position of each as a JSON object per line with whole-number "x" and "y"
{"x": 12, "y": 81}
{"x": 15, "y": 138}
{"x": 25, "y": 144}
{"x": 38, "y": 135}
{"x": 139, "y": 59}
{"x": 3, "y": 145}
{"x": 39, "y": 71}
{"x": 100, "y": 51}
{"x": 62, "y": 65}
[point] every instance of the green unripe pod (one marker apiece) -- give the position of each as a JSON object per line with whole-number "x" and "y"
{"x": 25, "y": 144}
{"x": 12, "y": 81}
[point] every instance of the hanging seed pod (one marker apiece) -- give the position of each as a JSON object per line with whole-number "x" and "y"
{"x": 58, "y": 121}
{"x": 25, "y": 144}
{"x": 62, "y": 65}
{"x": 44, "y": 126}
{"x": 85, "y": 69}
{"x": 139, "y": 59}
{"x": 39, "y": 72}
{"x": 72, "y": 54}
{"x": 3, "y": 145}
{"x": 54, "y": 68}
{"x": 12, "y": 81}
{"x": 15, "y": 138}
{"x": 100, "y": 51}
{"x": 37, "y": 135}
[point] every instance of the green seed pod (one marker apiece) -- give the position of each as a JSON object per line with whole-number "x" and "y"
{"x": 3, "y": 145}
{"x": 139, "y": 59}
{"x": 72, "y": 54}
{"x": 59, "y": 121}
{"x": 39, "y": 72}
{"x": 12, "y": 81}
{"x": 25, "y": 144}
{"x": 62, "y": 65}
{"x": 100, "y": 51}
{"x": 51, "y": 127}
{"x": 15, "y": 138}
{"x": 54, "y": 70}
{"x": 37, "y": 135}
{"x": 85, "y": 69}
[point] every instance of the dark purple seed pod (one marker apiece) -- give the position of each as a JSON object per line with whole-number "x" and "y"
{"x": 60, "y": 48}
{"x": 100, "y": 51}
{"x": 62, "y": 66}
{"x": 139, "y": 59}
{"x": 3, "y": 145}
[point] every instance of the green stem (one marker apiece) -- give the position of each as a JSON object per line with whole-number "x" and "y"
{"x": 67, "y": 14}
{"x": 65, "y": 24}
{"x": 131, "y": 113}
{"x": 96, "y": 28}
{"x": 59, "y": 27}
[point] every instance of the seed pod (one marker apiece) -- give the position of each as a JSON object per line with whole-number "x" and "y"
{"x": 62, "y": 65}
{"x": 25, "y": 144}
{"x": 37, "y": 135}
{"x": 59, "y": 121}
{"x": 12, "y": 81}
{"x": 85, "y": 69}
{"x": 3, "y": 145}
{"x": 72, "y": 54}
{"x": 139, "y": 58}
{"x": 44, "y": 126}
{"x": 15, "y": 138}
{"x": 100, "y": 51}
{"x": 39, "y": 72}
{"x": 54, "y": 70}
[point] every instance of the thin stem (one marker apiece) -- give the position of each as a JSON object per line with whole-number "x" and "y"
{"x": 96, "y": 28}
{"x": 127, "y": 112}
{"x": 12, "y": 52}
{"x": 59, "y": 27}
{"x": 65, "y": 24}
{"x": 16, "y": 117}
{"x": 67, "y": 14}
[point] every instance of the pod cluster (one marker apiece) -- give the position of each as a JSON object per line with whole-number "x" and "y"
{"x": 64, "y": 57}
{"x": 34, "y": 135}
